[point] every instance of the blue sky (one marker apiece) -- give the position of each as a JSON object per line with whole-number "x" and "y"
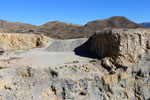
{"x": 39, "y": 12}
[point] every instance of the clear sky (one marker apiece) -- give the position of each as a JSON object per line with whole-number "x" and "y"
{"x": 72, "y": 11}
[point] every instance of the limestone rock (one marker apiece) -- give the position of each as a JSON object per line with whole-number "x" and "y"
{"x": 127, "y": 44}
{"x": 108, "y": 64}
{"x": 14, "y": 41}
{"x": 75, "y": 83}
{"x": 88, "y": 81}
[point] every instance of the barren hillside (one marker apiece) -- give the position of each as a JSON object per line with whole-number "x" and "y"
{"x": 64, "y": 30}
{"x": 58, "y": 72}
{"x": 113, "y": 22}
{"x": 16, "y": 26}
{"x": 61, "y": 30}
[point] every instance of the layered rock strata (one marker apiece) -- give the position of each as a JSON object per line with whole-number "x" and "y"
{"x": 126, "y": 44}
{"x": 76, "y": 82}
{"x": 104, "y": 79}
{"x": 16, "y": 41}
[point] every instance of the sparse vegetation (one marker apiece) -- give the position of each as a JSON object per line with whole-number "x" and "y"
{"x": 62, "y": 30}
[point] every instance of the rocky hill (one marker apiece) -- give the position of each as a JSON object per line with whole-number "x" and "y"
{"x": 64, "y": 30}
{"x": 16, "y": 26}
{"x": 61, "y": 30}
{"x": 129, "y": 44}
{"x": 113, "y": 22}
{"x": 120, "y": 72}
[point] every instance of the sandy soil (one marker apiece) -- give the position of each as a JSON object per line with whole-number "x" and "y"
{"x": 41, "y": 57}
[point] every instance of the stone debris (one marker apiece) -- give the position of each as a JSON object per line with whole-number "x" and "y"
{"x": 66, "y": 45}
{"x": 120, "y": 72}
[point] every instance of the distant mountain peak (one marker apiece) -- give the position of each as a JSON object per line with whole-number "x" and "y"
{"x": 114, "y": 22}
{"x": 118, "y": 17}
{"x": 146, "y": 24}
{"x": 58, "y": 29}
{"x": 59, "y": 22}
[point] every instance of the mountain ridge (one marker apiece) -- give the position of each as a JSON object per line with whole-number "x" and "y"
{"x": 63, "y": 30}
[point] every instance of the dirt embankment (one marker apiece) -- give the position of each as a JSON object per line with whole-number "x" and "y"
{"x": 15, "y": 41}
{"x": 66, "y": 45}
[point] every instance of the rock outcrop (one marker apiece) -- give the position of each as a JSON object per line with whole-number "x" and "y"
{"x": 76, "y": 82}
{"x": 126, "y": 44}
{"x": 122, "y": 73}
{"x": 16, "y": 41}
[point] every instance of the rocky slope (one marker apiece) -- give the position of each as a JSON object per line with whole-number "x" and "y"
{"x": 61, "y": 30}
{"x": 64, "y": 30}
{"x": 16, "y": 41}
{"x": 66, "y": 45}
{"x": 120, "y": 74}
{"x": 113, "y": 22}
{"x": 16, "y": 26}
{"x": 86, "y": 82}
{"x": 127, "y": 44}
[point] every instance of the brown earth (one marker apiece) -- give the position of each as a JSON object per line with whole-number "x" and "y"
{"x": 113, "y": 22}
{"x": 64, "y": 30}
{"x": 16, "y": 26}
{"x": 61, "y": 30}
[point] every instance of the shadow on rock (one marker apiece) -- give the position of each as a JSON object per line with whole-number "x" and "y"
{"x": 84, "y": 51}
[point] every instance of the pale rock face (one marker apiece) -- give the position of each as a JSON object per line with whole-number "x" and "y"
{"x": 126, "y": 44}
{"x": 16, "y": 41}
{"x": 86, "y": 82}
{"x": 90, "y": 81}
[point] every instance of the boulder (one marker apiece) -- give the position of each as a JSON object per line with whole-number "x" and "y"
{"x": 18, "y": 41}
{"x": 125, "y": 44}
{"x": 1, "y": 50}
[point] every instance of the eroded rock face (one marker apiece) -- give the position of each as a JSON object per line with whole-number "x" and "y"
{"x": 15, "y": 41}
{"x": 104, "y": 79}
{"x": 86, "y": 82}
{"x": 127, "y": 44}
